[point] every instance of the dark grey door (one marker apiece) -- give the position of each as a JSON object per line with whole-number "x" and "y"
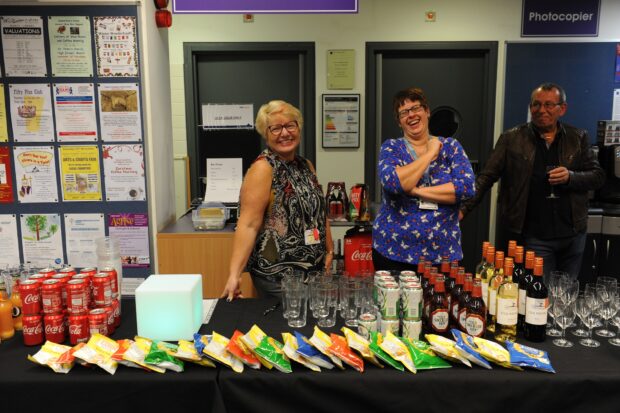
{"x": 459, "y": 76}
{"x": 242, "y": 73}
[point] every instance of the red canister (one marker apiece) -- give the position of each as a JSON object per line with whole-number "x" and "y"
{"x": 51, "y": 297}
{"x": 89, "y": 286}
{"x": 63, "y": 279}
{"x": 54, "y": 328}
{"x": 79, "y": 329}
{"x": 30, "y": 293}
{"x": 88, "y": 270}
{"x": 47, "y": 272}
{"x": 33, "y": 329}
{"x": 109, "y": 312}
{"x": 116, "y": 305}
{"x": 102, "y": 290}
{"x": 68, "y": 271}
{"x": 37, "y": 277}
{"x": 77, "y": 301}
{"x": 98, "y": 322}
{"x": 111, "y": 272}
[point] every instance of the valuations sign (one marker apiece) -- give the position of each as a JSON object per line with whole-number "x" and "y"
{"x": 560, "y": 18}
{"x": 264, "y": 6}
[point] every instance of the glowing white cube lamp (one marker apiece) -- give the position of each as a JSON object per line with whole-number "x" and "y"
{"x": 169, "y": 306}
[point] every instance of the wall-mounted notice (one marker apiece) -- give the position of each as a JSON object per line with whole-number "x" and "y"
{"x": 42, "y": 239}
{"x": 132, "y": 231}
{"x": 70, "y": 47}
{"x": 115, "y": 39}
{"x": 23, "y": 46}
{"x": 340, "y": 69}
{"x": 119, "y": 112}
{"x": 123, "y": 168}
{"x": 35, "y": 171}
{"x": 227, "y": 116}
{"x": 271, "y": 6}
{"x": 81, "y": 231}
{"x": 80, "y": 173}
{"x": 6, "y": 177}
{"x": 74, "y": 107}
{"x": 560, "y": 18}
{"x": 9, "y": 244}
{"x": 341, "y": 121}
{"x": 31, "y": 112}
{"x": 4, "y": 132}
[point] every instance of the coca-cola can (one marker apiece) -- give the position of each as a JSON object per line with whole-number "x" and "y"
{"x": 109, "y": 312}
{"x": 32, "y": 329}
{"x": 63, "y": 279}
{"x": 79, "y": 329}
{"x": 30, "y": 292}
{"x": 98, "y": 322}
{"x": 47, "y": 272}
{"x": 51, "y": 297}
{"x": 111, "y": 271}
{"x": 68, "y": 271}
{"x": 89, "y": 270}
{"x": 54, "y": 328}
{"x": 38, "y": 278}
{"x": 89, "y": 286}
{"x": 102, "y": 290}
{"x": 116, "y": 305}
{"x": 77, "y": 301}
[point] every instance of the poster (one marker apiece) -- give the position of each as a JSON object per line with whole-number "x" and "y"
{"x": 123, "y": 168}
{"x": 81, "y": 231}
{"x": 80, "y": 173}
{"x": 115, "y": 40}
{"x": 70, "y": 47}
{"x": 132, "y": 231}
{"x": 341, "y": 121}
{"x": 31, "y": 112}
{"x": 42, "y": 239}
{"x": 74, "y": 107}
{"x": 4, "y": 132}
{"x": 6, "y": 177}
{"x": 119, "y": 112}
{"x": 23, "y": 46}
{"x": 9, "y": 244}
{"x": 35, "y": 174}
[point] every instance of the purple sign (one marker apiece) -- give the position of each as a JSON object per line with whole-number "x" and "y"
{"x": 264, "y": 6}
{"x": 560, "y": 18}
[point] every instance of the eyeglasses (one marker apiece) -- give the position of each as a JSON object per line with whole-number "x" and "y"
{"x": 414, "y": 109}
{"x": 547, "y": 105}
{"x": 276, "y": 130}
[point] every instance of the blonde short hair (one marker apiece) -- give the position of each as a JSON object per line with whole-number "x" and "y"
{"x": 272, "y": 108}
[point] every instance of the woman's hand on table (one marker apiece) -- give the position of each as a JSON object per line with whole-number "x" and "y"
{"x": 232, "y": 289}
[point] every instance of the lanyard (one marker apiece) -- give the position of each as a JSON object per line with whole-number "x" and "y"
{"x": 426, "y": 178}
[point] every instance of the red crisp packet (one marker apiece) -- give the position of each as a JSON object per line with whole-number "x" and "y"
{"x": 68, "y": 357}
{"x": 341, "y": 349}
{"x": 237, "y": 349}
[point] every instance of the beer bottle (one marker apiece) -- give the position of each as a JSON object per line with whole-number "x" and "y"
{"x": 494, "y": 283}
{"x": 455, "y": 295}
{"x": 536, "y": 306}
{"x": 524, "y": 282}
{"x": 6, "y": 313}
{"x": 464, "y": 298}
{"x": 439, "y": 315}
{"x": 475, "y": 319}
{"x": 507, "y": 303}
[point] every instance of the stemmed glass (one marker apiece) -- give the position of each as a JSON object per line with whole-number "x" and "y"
{"x": 615, "y": 319}
{"x": 564, "y": 316}
{"x": 606, "y": 288}
{"x": 556, "y": 284}
{"x": 581, "y": 331}
{"x": 588, "y": 312}
{"x": 552, "y": 195}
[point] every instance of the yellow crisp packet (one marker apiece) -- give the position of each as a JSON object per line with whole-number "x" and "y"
{"x": 322, "y": 342}
{"x": 398, "y": 351}
{"x": 187, "y": 351}
{"x": 290, "y": 349}
{"x": 446, "y": 348}
{"x": 134, "y": 354}
{"x": 361, "y": 345}
{"x": 99, "y": 350}
{"x": 48, "y": 356}
{"x": 216, "y": 349}
{"x": 252, "y": 339}
{"x": 495, "y": 353}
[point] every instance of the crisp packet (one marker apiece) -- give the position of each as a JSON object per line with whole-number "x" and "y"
{"x": 446, "y": 348}
{"x": 238, "y": 349}
{"x": 341, "y": 349}
{"x": 494, "y": 352}
{"x": 321, "y": 341}
{"x": 159, "y": 356}
{"x": 467, "y": 348}
{"x": 252, "y": 339}
{"x": 48, "y": 356}
{"x": 99, "y": 350}
{"x": 375, "y": 346}
{"x": 271, "y": 350}
{"x": 398, "y": 350}
{"x": 423, "y": 356}
{"x": 200, "y": 342}
{"x": 68, "y": 357}
{"x": 216, "y": 349}
{"x": 123, "y": 346}
{"x": 359, "y": 343}
{"x": 290, "y": 349}
{"x": 187, "y": 352}
{"x": 311, "y": 353}
{"x": 132, "y": 353}
{"x": 525, "y": 356}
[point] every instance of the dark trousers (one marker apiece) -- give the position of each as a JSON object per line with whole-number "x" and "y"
{"x": 562, "y": 254}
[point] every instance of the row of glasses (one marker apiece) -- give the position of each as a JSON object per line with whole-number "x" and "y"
{"x": 606, "y": 290}
{"x": 615, "y": 320}
{"x": 587, "y": 309}
{"x": 563, "y": 308}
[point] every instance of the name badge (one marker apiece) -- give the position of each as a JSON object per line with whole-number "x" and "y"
{"x": 427, "y": 205}
{"x": 311, "y": 236}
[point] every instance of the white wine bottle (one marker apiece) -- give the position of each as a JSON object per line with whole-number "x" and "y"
{"x": 494, "y": 283}
{"x": 507, "y": 305}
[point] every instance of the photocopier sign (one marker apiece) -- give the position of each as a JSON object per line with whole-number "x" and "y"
{"x": 560, "y": 18}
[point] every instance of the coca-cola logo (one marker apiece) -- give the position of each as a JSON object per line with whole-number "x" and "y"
{"x": 75, "y": 329}
{"x": 361, "y": 256}
{"x": 32, "y": 330}
{"x": 31, "y": 299}
{"x": 51, "y": 329}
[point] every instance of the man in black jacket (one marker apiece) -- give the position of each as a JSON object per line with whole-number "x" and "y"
{"x": 546, "y": 170}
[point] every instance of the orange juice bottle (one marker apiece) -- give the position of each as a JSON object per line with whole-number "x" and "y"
{"x": 6, "y": 313}
{"x": 16, "y": 300}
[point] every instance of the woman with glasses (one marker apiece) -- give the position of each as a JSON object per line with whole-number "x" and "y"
{"x": 282, "y": 225}
{"x": 424, "y": 178}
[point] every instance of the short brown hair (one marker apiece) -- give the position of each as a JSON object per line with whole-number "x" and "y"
{"x": 412, "y": 94}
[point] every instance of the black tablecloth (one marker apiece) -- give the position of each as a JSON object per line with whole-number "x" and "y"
{"x": 585, "y": 379}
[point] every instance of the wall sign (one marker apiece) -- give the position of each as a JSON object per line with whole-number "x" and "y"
{"x": 341, "y": 121}
{"x": 560, "y": 18}
{"x": 266, "y": 6}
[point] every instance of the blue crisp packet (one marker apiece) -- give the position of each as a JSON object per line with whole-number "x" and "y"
{"x": 467, "y": 348}
{"x": 199, "y": 343}
{"x": 524, "y": 356}
{"x": 311, "y": 353}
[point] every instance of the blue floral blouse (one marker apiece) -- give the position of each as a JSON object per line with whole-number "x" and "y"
{"x": 403, "y": 232}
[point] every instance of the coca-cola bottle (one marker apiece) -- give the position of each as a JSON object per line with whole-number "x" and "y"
{"x": 439, "y": 313}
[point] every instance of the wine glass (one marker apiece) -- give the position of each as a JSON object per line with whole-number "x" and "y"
{"x": 556, "y": 282}
{"x": 615, "y": 320}
{"x": 604, "y": 309}
{"x": 552, "y": 194}
{"x": 589, "y": 319}
{"x": 581, "y": 331}
{"x": 570, "y": 291}
{"x": 564, "y": 316}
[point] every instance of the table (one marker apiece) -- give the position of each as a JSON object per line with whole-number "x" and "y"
{"x": 586, "y": 379}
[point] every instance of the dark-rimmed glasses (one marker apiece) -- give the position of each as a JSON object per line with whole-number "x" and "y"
{"x": 547, "y": 105}
{"x": 276, "y": 130}
{"x": 413, "y": 109}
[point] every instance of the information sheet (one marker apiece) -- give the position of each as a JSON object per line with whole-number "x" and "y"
{"x": 341, "y": 121}
{"x": 132, "y": 231}
{"x": 42, "y": 239}
{"x": 9, "y": 244}
{"x": 35, "y": 173}
{"x": 224, "y": 178}
{"x": 31, "y": 112}
{"x": 115, "y": 39}
{"x": 74, "y": 107}
{"x": 23, "y": 46}
{"x": 6, "y": 176}
{"x": 80, "y": 173}
{"x": 70, "y": 46}
{"x": 119, "y": 112}
{"x": 81, "y": 231}
{"x": 123, "y": 168}
{"x": 4, "y": 132}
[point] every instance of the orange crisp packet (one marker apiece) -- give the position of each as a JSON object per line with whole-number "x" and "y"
{"x": 239, "y": 350}
{"x": 341, "y": 349}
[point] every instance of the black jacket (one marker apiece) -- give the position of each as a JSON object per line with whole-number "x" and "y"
{"x": 512, "y": 160}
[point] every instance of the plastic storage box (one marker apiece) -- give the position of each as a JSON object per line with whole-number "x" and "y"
{"x": 210, "y": 215}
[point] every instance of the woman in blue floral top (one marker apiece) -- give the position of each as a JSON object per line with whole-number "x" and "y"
{"x": 424, "y": 179}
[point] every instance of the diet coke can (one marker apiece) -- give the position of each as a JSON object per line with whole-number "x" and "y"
{"x": 98, "y": 322}
{"x": 30, "y": 292}
{"x": 102, "y": 290}
{"x": 54, "y": 328}
{"x": 79, "y": 329}
{"x": 77, "y": 301}
{"x": 32, "y": 329}
{"x": 111, "y": 272}
{"x": 51, "y": 297}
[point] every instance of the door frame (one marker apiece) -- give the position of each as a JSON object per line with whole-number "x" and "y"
{"x": 193, "y": 50}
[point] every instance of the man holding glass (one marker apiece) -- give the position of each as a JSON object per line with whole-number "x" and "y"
{"x": 546, "y": 169}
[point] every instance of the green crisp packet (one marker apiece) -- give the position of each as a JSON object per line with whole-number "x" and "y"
{"x": 423, "y": 356}
{"x": 160, "y": 357}
{"x": 271, "y": 350}
{"x": 375, "y": 340}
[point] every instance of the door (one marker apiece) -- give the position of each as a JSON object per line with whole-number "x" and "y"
{"x": 459, "y": 82}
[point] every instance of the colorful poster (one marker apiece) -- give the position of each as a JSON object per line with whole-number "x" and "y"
{"x": 132, "y": 231}
{"x": 123, "y": 168}
{"x": 23, "y": 46}
{"x": 35, "y": 174}
{"x": 31, "y": 112}
{"x": 81, "y": 231}
{"x": 9, "y": 244}
{"x": 42, "y": 239}
{"x": 70, "y": 47}
{"x": 4, "y": 132}
{"x": 80, "y": 173}
{"x": 74, "y": 107}
{"x": 119, "y": 112}
{"x": 115, "y": 41}
{"x": 6, "y": 177}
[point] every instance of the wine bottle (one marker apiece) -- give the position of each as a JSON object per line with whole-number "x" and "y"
{"x": 494, "y": 283}
{"x": 487, "y": 272}
{"x": 455, "y": 294}
{"x": 519, "y": 269}
{"x": 475, "y": 319}
{"x": 468, "y": 287}
{"x": 480, "y": 265}
{"x": 507, "y": 305}
{"x": 524, "y": 282}
{"x": 510, "y": 252}
{"x": 428, "y": 296}
{"x": 439, "y": 314}
{"x": 536, "y": 306}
